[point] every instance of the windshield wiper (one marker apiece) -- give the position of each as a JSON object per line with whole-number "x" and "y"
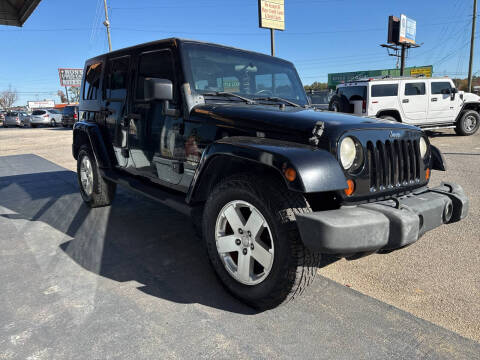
{"x": 227, "y": 94}
{"x": 275, "y": 98}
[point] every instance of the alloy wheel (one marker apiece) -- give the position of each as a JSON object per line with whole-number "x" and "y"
{"x": 244, "y": 242}
{"x": 86, "y": 175}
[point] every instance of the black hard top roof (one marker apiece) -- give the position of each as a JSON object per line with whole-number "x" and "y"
{"x": 176, "y": 41}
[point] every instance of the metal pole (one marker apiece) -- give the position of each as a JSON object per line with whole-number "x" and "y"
{"x": 107, "y": 25}
{"x": 472, "y": 43}
{"x": 272, "y": 42}
{"x": 402, "y": 60}
{"x": 66, "y": 93}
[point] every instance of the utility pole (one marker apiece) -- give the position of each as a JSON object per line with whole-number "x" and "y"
{"x": 472, "y": 44}
{"x": 107, "y": 25}
{"x": 272, "y": 41}
{"x": 402, "y": 60}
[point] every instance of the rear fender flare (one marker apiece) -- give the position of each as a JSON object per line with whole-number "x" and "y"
{"x": 91, "y": 131}
{"x": 317, "y": 170}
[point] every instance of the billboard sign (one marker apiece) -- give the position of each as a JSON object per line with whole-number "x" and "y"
{"x": 408, "y": 30}
{"x": 337, "y": 78}
{"x": 41, "y": 104}
{"x": 271, "y": 14}
{"x": 70, "y": 77}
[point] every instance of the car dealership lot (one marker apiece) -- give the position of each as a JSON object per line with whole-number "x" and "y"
{"x": 88, "y": 277}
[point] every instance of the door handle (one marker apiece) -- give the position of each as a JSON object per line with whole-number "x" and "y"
{"x": 405, "y": 101}
{"x": 434, "y": 99}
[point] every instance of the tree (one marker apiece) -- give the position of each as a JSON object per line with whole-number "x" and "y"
{"x": 62, "y": 96}
{"x": 316, "y": 86}
{"x": 8, "y": 98}
{"x": 74, "y": 94}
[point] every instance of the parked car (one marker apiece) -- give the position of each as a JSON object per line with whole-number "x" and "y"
{"x": 2, "y": 116}
{"x": 49, "y": 117}
{"x": 70, "y": 115}
{"x": 227, "y": 136}
{"x": 16, "y": 118}
{"x": 429, "y": 103}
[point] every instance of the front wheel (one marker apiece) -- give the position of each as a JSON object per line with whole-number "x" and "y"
{"x": 95, "y": 190}
{"x": 468, "y": 124}
{"x": 253, "y": 242}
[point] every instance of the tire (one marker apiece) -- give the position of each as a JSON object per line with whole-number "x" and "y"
{"x": 53, "y": 123}
{"x": 102, "y": 191}
{"x": 388, "y": 117}
{"x": 294, "y": 266}
{"x": 340, "y": 104}
{"x": 468, "y": 123}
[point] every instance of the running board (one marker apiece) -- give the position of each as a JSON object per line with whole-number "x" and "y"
{"x": 171, "y": 198}
{"x": 438, "y": 127}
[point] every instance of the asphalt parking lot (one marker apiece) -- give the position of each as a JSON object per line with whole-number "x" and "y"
{"x": 79, "y": 279}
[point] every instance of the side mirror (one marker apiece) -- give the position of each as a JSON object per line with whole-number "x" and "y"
{"x": 454, "y": 91}
{"x": 446, "y": 91}
{"x": 158, "y": 89}
{"x": 161, "y": 90}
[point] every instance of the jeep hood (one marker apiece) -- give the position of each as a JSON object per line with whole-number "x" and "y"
{"x": 290, "y": 120}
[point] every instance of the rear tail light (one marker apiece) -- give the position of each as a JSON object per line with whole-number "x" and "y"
{"x": 75, "y": 116}
{"x": 364, "y": 106}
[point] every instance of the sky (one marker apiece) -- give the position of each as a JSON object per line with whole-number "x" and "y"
{"x": 320, "y": 37}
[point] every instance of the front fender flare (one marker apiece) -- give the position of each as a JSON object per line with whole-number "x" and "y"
{"x": 91, "y": 131}
{"x": 317, "y": 170}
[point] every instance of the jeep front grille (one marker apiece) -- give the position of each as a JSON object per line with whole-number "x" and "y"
{"x": 393, "y": 163}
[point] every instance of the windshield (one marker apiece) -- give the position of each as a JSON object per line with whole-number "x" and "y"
{"x": 211, "y": 69}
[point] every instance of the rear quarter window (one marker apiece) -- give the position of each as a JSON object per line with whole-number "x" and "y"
{"x": 384, "y": 90}
{"x": 91, "y": 80}
{"x": 353, "y": 92}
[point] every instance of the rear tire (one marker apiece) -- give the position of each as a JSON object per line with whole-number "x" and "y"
{"x": 95, "y": 190}
{"x": 292, "y": 266}
{"x": 53, "y": 123}
{"x": 468, "y": 123}
{"x": 340, "y": 104}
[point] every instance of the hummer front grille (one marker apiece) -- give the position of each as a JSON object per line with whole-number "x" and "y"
{"x": 393, "y": 163}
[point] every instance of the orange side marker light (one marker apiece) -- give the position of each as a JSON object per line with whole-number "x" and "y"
{"x": 427, "y": 174}
{"x": 290, "y": 174}
{"x": 351, "y": 187}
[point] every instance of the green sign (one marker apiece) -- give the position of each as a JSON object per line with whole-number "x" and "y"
{"x": 338, "y": 78}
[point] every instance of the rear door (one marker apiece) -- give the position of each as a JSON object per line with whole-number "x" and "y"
{"x": 414, "y": 101}
{"x": 441, "y": 105}
{"x": 383, "y": 96}
{"x": 115, "y": 96}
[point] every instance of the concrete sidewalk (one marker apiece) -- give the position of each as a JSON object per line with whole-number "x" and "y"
{"x": 133, "y": 281}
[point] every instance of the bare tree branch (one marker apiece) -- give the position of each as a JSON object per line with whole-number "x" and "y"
{"x": 8, "y": 98}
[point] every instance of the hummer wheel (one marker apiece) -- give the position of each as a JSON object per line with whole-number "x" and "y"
{"x": 253, "y": 241}
{"x": 95, "y": 190}
{"x": 468, "y": 124}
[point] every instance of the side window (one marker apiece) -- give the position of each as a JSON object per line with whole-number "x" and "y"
{"x": 92, "y": 81}
{"x": 384, "y": 90}
{"x": 157, "y": 64}
{"x": 412, "y": 89}
{"x": 442, "y": 87}
{"x": 116, "y": 78}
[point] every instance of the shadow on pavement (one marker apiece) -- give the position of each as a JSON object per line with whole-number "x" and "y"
{"x": 135, "y": 239}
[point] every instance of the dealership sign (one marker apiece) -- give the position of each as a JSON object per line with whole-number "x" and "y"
{"x": 408, "y": 30}
{"x": 271, "y": 14}
{"x": 70, "y": 77}
{"x": 41, "y": 104}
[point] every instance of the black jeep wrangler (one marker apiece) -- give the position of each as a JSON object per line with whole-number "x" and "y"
{"x": 227, "y": 136}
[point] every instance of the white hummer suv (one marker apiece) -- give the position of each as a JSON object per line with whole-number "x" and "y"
{"x": 429, "y": 103}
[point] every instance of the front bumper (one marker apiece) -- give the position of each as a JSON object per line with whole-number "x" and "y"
{"x": 383, "y": 225}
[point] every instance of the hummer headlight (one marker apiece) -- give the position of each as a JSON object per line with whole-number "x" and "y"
{"x": 423, "y": 147}
{"x": 351, "y": 154}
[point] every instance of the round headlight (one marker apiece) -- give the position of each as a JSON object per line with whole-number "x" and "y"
{"x": 348, "y": 152}
{"x": 423, "y": 147}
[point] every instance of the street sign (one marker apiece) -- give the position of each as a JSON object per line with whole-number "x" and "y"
{"x": 425, "y": 70}
{"x": 271, "y": 14}
{"x": 408, "y": 30}
{"x": 70, "y": 77}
